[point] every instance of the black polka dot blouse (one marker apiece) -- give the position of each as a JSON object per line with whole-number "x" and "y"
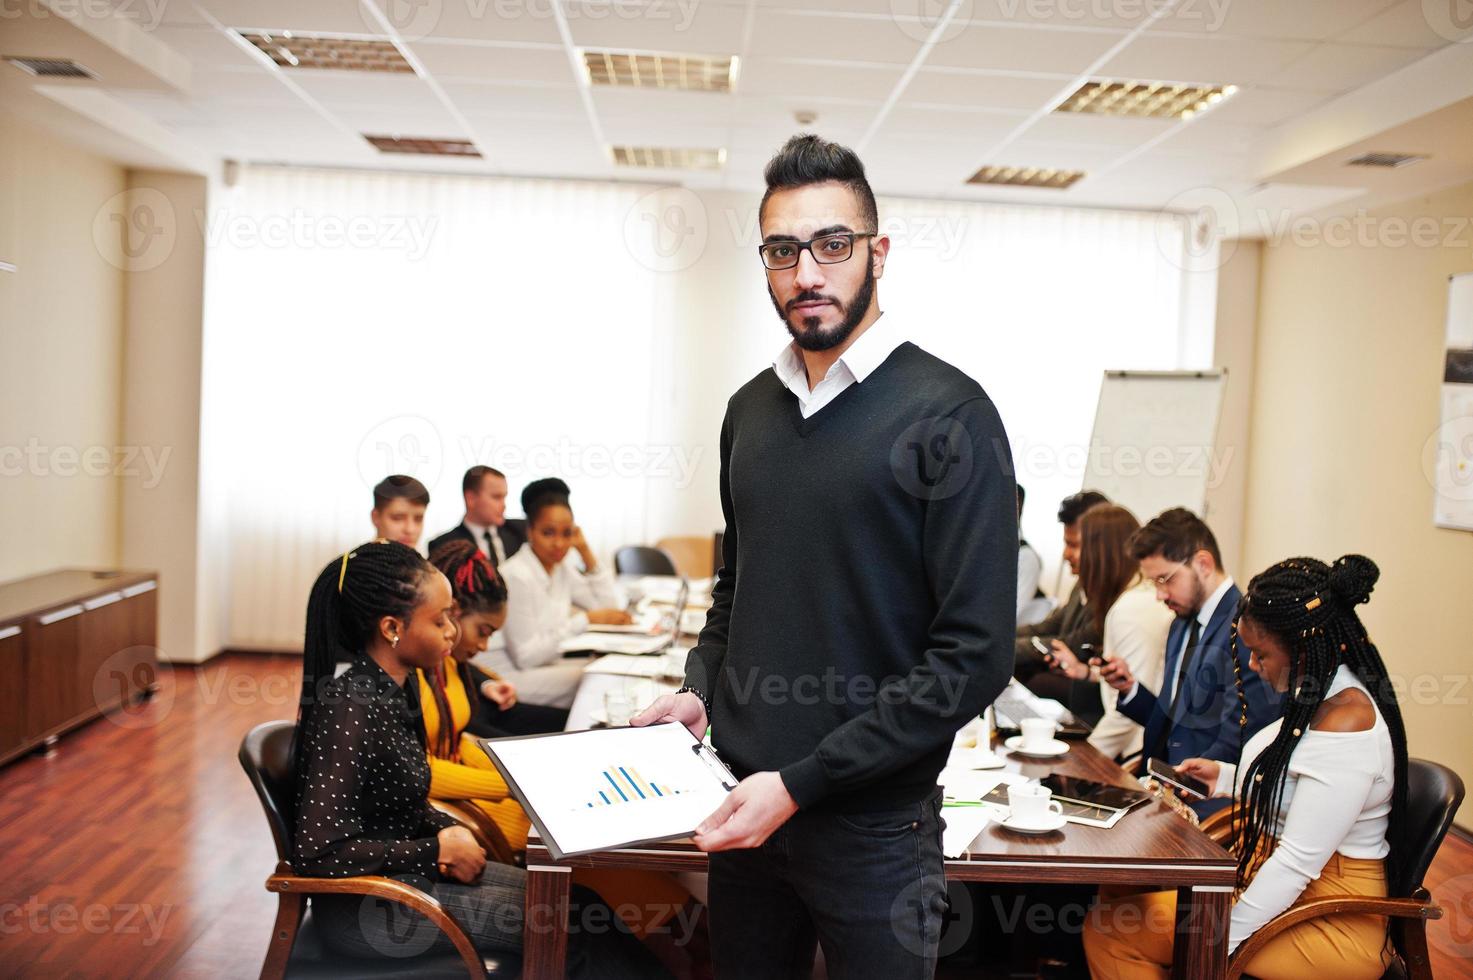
{"x": 363, "y": 796}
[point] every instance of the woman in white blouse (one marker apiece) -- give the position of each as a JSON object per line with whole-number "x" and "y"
{"x": 1132, "y": 623}
{"x": 1322, "y": 791}
{"x": 549, "y": 600}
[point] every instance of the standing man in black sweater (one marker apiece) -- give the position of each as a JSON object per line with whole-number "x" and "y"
{"x": 864, "y": 611}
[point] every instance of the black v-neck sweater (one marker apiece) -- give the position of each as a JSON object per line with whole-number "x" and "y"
{"x": 865, "y": 609}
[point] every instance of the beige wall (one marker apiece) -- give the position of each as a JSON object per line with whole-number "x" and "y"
{"x": 161, "y": 401}
{"x": 1235, "y": 331}
{"x": 61, "y": 333}
{"x": 1349, "y": 361}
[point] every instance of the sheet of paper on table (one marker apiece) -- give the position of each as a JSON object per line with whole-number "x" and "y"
{"x": 626, "y": 643}
{"x": 672, "y": 665}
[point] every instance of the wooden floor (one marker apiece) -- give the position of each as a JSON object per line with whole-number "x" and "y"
{"x": 138, "y": 848}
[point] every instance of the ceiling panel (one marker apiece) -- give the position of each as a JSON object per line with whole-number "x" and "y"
{"x": 957, "y": 88}
{"x": 523, "y": 21}
{"x": 768, "y": 76}
{"x": 497, "y": 63}
{"x": 941, "y": 127}
{"x": 321, "y": 16}
{"x": 791, "y": 34}
{"x": 1076, "y": 127}
{"x": 489, "y": 98}
{"x": 1337, "y": 67}
{"x": 1413, "y": 23}
{"x": 426, "y": 119}
{"x": 1219, "y": 60}
{"x": 364, "y": 88}
{"x": 205, "y": 45}
{"x": 1264, "y": 106}
{"x": 1023, "y": 50}
{"x": 1312, "y": 20}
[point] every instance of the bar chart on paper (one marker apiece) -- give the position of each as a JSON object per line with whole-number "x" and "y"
{"x": 624, "y": 784}
{"x": 614, "y": 787}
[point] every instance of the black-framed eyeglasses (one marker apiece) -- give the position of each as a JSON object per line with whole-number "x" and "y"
{"x": 825, "y": 249}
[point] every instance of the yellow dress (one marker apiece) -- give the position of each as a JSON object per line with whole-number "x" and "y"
{"x": 643, "y": 899}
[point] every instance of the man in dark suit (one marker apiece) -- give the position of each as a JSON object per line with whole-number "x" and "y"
{"x": 1198, "y": 712}
{"x": 485, "y": 524}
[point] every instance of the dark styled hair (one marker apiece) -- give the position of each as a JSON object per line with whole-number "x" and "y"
{"x": 352, "y": 593}
{"x": 1072, "y": 508}
{"x": 471, "y": 482}
{"x": 474, "y": 582}
{"x": 542, "y": 493}
{"x": 1105, "y": 567}
{"x": 808, "y": 159}
{"x": 1309, "y": 607}
{"x": 1176, "y": 535}
{"x": 477, "y": 588}
{"x": 400, "y": 487}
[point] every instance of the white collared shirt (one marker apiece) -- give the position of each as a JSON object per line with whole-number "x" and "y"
{"x": 1204, "y": 616}
{"x": 479, "y": 533}
{"x": 868, "y": 351}
{"x": 540, "y": 608}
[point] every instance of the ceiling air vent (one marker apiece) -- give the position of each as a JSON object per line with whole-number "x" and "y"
{"x": 51, "y": 67}
{"x": 1027, "y": 177}
{"x": 1387, "y": 159}
{"x": 668, "y": 158}
{"x": 426, "y": 145}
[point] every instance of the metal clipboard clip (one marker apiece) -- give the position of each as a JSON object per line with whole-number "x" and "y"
{"x": 718, "y": 768}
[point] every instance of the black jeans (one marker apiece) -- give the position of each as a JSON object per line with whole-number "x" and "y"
{"x": 869, "y": 887}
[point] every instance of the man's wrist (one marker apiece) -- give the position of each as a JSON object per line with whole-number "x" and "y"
{"x": 700, "y": 696}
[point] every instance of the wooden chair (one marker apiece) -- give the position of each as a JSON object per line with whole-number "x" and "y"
{"x": 482, "y": 827}
{"x": 1434, "y": 793}
{"x": 296, "y": 949}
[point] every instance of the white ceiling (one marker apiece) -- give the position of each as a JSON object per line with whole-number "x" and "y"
{"x": 927, "y": 91}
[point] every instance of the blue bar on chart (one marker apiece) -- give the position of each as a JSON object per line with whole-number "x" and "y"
{"x": 624, "y": 784}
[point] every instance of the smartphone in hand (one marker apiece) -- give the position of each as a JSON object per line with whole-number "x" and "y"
{"x": 1189, "y": 786}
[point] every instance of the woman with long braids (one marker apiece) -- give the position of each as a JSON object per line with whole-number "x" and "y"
{"x": 362, "y": 779}
{"x": 1321, "y": 791}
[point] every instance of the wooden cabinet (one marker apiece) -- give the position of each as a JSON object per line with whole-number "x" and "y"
{"x": 73, "y": 644}
{"x": 12, "y": 691}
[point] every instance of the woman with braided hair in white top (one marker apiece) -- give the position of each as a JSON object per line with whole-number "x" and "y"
{"x": 1322, "y": 791}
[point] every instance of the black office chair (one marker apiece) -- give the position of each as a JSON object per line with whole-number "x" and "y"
{"x": 296, "y": 948}
{"x": 1434, "y": 793}
{"x": 638, "y": 559}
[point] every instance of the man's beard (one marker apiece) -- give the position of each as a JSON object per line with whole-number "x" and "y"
{"x": 809, "y": 337}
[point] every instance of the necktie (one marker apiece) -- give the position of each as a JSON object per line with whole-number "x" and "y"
{"x": 1163, "y": 737}
{"x": 495, "y": 550}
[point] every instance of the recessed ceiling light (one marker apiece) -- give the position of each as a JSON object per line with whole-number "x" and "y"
{"x": 1045, "y": 177}
{"x": 1156, "y": 100}
{"x": 1387, "y": 159}
{"x": 668, "y": 158}
{"x": 426, "y": 145}
{"x": 51, "y": 67}
{"x": 291, "y": 49}
{"x": 686, "y": 72}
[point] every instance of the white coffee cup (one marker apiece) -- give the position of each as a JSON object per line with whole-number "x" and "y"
{"x": 1030, "y": 804}
{"x": 1037, "y": 733}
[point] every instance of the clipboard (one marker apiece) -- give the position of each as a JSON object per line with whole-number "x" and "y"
{"x": 605, "y": 789}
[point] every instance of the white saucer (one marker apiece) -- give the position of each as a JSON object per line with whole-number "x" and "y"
{"x": 1056, "y": 747}
{"x": 1053, "y": 822}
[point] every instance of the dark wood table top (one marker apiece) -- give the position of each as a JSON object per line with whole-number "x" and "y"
{"x": 1150, "y": 845}
{"x": 36, "y": 594}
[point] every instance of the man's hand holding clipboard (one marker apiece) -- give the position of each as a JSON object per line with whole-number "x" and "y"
{"x": 753, "y": 811}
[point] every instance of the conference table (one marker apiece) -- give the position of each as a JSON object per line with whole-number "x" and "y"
{"x": 1150, "y": 846}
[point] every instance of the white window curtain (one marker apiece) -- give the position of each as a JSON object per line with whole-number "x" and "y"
{"x": 360, "y": 324}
